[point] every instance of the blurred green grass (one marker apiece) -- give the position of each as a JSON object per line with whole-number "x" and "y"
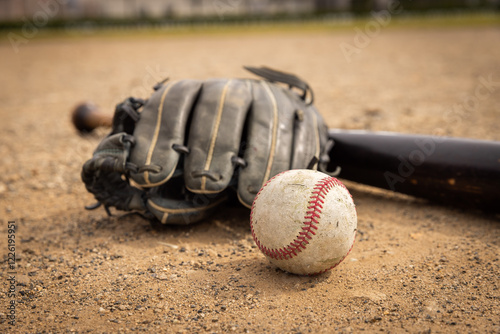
{"x": 431, "y": 20}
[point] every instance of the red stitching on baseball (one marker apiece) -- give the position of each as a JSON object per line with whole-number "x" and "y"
{"x": 311, "y": 219}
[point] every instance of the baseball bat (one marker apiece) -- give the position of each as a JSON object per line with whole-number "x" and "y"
{"x": 86, "y": 117}
{"x": 455, "y": 171}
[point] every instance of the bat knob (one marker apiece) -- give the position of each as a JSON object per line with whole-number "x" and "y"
{"x": 86, "y": 117}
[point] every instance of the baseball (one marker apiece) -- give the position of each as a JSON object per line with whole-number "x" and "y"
{"x": 304, "y": 221}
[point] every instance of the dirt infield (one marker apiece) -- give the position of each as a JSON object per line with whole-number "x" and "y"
{"x": 415, "y": 267}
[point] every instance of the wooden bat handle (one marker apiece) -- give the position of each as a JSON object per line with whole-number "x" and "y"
{"x": 86, "y": 117}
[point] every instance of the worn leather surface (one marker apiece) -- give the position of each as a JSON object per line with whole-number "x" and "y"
{"x": 267, "y": 125}
{"x": 197, "y": 139}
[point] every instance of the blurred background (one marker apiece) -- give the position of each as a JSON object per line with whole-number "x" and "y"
{"x": 15, "y": 11}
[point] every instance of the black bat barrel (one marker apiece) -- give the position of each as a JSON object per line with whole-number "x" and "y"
{"x": 460, "y": 172}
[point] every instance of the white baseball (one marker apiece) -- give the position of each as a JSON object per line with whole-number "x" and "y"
{"x": 304, "y": 221}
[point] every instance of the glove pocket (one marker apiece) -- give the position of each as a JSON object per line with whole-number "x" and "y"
{"x": 166, "y": 204}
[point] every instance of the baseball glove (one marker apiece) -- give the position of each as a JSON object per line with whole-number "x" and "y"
{"x": 193, "y": 144}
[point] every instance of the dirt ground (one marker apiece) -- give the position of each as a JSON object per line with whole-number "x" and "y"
{"x": 415, "y": 267}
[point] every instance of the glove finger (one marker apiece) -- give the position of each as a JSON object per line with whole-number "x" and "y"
{"x": 215, "y": 134}
{"x": 102, "y": 175}
{"x": 309, "y": 137}
{"x": 270, "y": 138}
{"x": 162, "y": 124}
